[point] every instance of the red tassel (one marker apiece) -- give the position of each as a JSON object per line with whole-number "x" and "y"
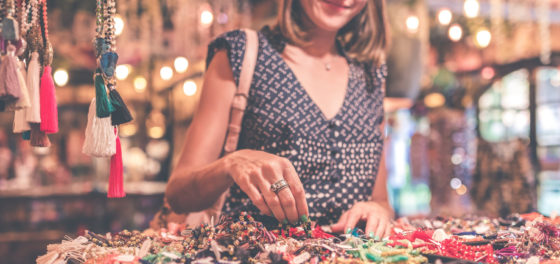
{"x": 49, "y": 110}
{"x": 116, "y": 189}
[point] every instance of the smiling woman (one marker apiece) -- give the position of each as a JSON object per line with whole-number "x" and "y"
{"x": 311, "y": 141}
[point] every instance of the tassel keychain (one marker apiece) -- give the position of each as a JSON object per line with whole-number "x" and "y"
{"x": 121, "y": 114}
{"x": 23, "y": 101}
{"x": 33, "y": 114}
{"x": 103, "y": 107}
{"x": 116, "y": 189}
{"x": 20, "y": 122}
{"x": 49, "y": 108}
{"x": 100, "y": 138}
{"x": 10, "y": 90}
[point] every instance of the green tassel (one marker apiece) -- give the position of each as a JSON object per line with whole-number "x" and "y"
{"x": 103, "y": 106}
{"x": 26, "y": 135}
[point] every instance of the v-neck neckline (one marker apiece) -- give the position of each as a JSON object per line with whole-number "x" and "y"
{"x": 340, "y": 110}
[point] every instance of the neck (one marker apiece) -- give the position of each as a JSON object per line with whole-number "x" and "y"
{"x": 321, "y": 43}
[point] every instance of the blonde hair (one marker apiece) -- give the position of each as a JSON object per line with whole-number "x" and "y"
{"x": 365, "y": 38}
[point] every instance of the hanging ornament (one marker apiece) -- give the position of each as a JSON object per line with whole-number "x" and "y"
{"x": 106, "y": 110}
{"x": 49, "y": 108}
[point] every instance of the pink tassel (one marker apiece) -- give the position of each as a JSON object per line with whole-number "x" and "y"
{"x": 10, "y": 90}
{"x": 116, "y": 189}
{"x": 49, "y": 110}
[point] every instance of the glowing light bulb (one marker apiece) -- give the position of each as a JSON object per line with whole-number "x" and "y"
{"x": 412, "y": 23}
{"x": 122, "y": 71}
{"x": 434, "y": 100}
{"x": 189, "y": 88}
{"x": 61, "y": 77}
{"x": 471, "y": 8}
{"x": 483, "y": 38}
{"x": 140, "y": 84}
{"x": 206, "y": 17}
{"x": 181, "y": 64}
{"x": 487, "y": 72}
{"x": 166, "y": 73}
{"x": 455, "y": 32}
{"x": 445, "y": 16}
{"x": 119, "y": 25}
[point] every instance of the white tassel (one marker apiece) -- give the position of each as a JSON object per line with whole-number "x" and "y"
{"x": 20, "y": 122}
{"x": 100, "y": 136}
{"x": 33, "y": 114}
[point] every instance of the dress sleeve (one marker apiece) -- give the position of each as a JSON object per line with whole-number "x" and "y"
{"x": 234, "y": 43}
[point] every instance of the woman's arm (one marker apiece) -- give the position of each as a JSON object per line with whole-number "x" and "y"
{"x": 201, "y": 176}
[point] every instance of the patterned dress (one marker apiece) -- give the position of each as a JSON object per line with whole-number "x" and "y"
{"x": 337, "y": 159}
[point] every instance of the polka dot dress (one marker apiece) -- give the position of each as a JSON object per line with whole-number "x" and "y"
{"x": 337, "y": 159}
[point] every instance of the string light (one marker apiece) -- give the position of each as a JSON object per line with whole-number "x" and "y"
{"x": 206, "y": 16}
{"x": 445, "y": 16}
{"x": 461, "y": 190}
{"x": 434, "y": 100}
{"x": 189, "y": 88}
{"x": 412, "y": 23}
{"x": 140, "y": 84}
{"x": 181, "y": 64}
{"x": 119, "y": 25}
{"x": 61, "y": 77}
{"x": 483, "y": 38}
{"x": 166, "y": 73}
{"x": 471, "y": 8}
{"x": 455, "y": 183}
{"x": 122, "y": 71}
{"x": 455, "y": 32}
{"x": 487, "y": 73}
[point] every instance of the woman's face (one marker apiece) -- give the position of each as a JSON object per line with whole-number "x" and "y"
{"x": 331, "y": 15}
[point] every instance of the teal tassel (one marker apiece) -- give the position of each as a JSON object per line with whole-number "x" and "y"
{"x": 103, "y": 106}
{"x": 26, "y": 135}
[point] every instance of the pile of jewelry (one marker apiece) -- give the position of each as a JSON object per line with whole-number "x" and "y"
{"x": 241, "y": 239}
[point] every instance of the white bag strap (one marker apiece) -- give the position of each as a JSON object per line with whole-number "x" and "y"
{"x": 239, "y": 102}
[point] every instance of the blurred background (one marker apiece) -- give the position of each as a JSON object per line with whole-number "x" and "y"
{"x": 473, "y": 112}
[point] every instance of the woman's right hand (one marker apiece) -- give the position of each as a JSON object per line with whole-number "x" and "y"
{"x": 255, "y": 171}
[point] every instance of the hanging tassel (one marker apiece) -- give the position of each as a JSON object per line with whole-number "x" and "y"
{"x": 100, "y": 139}
{"x": 22, "y": 104}
{"x": 33, "y": 82}
{"x": 49, "y": 110}
{"x": 116, "y": 189}
{"x": 10, "y": 90}
{"x": 38, "y": 137}
{"x": 20, "y": 124}
{"x": 23, "y": 101}
{"x": 121, "y": 114}
{"x": 104, "y": 107}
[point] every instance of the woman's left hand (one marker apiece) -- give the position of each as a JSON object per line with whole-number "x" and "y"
{"x": 377, "y": 218}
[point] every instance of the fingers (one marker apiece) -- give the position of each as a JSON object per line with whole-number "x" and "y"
{"x": 381, "y": 227}
{"x": 353, "y": 219}
{"x": 339, "y": 226}
{"x": 371, "y": 226}
{"x": 253, "y": 192}
{"x": 298, "y": 192}
{"x": 288, "y": 204}
{"x": 272, "y": 201}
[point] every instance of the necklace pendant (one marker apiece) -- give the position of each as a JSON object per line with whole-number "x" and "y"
{"x": 327, "y": 66}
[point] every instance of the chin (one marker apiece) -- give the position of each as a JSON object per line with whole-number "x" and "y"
{"x": 331, "y": 15}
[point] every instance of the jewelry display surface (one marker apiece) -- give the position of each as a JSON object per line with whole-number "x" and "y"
{"x": 530, "y": 238}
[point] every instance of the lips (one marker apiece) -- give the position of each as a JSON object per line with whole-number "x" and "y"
{"x": 339, "y": 4}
